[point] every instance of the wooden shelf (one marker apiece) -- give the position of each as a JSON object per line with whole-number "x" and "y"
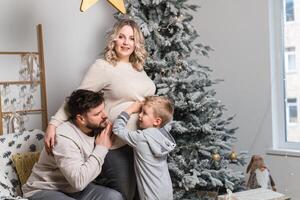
{"x": 19, "y": 82}
{"x": 41, "y": 81}
{"x": 22, "y": 111}
{"x": 16, "y": 52}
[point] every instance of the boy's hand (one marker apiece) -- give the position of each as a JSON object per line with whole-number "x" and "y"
{"x": 134, "y": 107}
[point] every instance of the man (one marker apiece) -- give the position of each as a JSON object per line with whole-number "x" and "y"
{"x": 78, "y": 155}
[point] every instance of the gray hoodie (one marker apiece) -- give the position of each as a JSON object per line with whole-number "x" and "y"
{"x": 151, "y": 147}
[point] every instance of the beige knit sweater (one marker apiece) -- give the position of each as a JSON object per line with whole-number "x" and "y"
{"x": 121, "y": 84}
{"x": 76, "y": 162}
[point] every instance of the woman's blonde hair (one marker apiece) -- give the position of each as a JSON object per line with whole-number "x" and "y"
{"x": 138, "y": 57}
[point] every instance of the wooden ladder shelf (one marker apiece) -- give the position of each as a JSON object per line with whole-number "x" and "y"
{"x": 42, "y": 82}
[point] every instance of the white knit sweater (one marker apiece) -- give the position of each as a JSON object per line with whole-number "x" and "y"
{"x": 76, "y": 162}
{"x": 121, "y": 84}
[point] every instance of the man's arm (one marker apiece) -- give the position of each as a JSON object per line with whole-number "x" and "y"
{"x": 78, "y": 172}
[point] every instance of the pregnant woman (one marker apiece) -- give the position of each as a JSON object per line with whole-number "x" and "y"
{"x": 121, "y": 78}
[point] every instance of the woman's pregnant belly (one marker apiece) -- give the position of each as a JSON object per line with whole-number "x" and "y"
{"x": 113, "y": 113}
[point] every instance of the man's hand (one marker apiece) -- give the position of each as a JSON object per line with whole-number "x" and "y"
{"x": 105, "y": 137}
{"x": 134, "y": 107}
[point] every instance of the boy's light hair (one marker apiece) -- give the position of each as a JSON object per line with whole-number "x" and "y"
{"x": 162, "y": 107}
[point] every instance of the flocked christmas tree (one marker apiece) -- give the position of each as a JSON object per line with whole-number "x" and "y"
{"x": 203, "y": 156}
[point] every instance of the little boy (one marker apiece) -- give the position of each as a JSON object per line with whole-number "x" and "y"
{"x": 151, "y": 146}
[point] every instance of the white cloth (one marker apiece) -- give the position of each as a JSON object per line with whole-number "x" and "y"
{"x": 263, "y": 178}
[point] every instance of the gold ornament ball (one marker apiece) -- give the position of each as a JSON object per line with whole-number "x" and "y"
{"x": 233, "y": 156}
{"x": 216, "y": 157}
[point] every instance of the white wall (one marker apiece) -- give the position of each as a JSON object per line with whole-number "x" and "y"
{"x": 238, "y": 30}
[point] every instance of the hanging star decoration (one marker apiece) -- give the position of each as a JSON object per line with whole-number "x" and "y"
{"x": 118, "y": 4}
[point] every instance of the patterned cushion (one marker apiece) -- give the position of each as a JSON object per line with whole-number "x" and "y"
{"x": 28, "y": 141}
{"x": 5, "y": 185}
{"x": 5, "y": 188}
{"x": 24, "y": 163}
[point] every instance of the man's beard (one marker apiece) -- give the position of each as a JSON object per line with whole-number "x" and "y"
{"x": 97, "y": 128}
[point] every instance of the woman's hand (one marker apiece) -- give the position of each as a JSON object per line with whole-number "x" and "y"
{"x": 134, "y": 107}
{"x": 49, "y": 139}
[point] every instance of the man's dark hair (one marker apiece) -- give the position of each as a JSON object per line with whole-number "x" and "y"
{"x": 81, "y": 101}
